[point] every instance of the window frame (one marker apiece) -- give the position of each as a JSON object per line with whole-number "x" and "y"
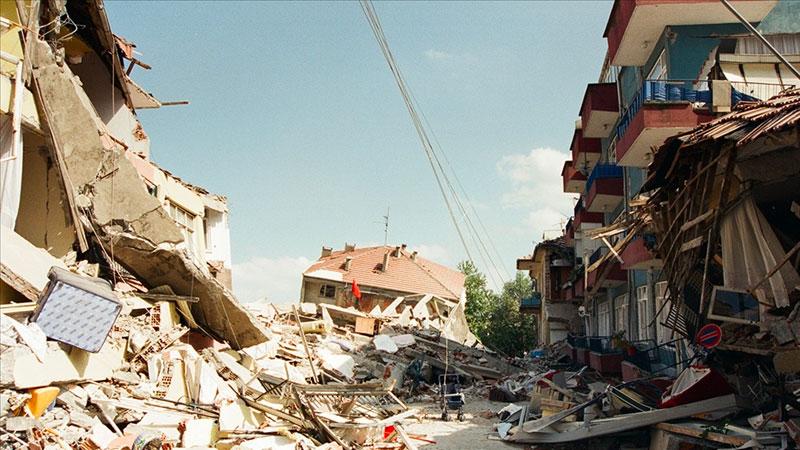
{"x": 643, "y": 311}
{"x": 621, "y": 307}
{"x": 325, "y": 288}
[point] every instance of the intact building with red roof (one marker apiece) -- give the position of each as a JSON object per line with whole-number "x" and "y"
{"x": 382, "y": 274}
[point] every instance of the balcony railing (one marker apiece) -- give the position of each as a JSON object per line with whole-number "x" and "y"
{"x": 534, "y": 301}
{"x": 663, "y": 91}
{"x": 601, "y": 171}
{"x": 675, "y": 91}
{"x": 602, "y": 344}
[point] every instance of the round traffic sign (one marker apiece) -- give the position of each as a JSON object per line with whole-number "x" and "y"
{"x": 709, "y": 336}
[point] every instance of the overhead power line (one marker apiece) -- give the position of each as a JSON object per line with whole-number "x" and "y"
{"x": 450, "y": 195}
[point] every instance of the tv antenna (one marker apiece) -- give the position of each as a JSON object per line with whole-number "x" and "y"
{"x": 385, "y": 223}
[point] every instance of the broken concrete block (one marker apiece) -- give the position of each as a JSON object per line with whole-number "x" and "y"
{"x": 200, "y": 433}
{"x": 268, "y": 443}
{"x": 384, "y": 343}
{"x": 100, "y": 435}
{"x": 61, "y": 365}
{"x": 21, "y": 423}
{"x": 309, "y": 309}
{"x": 404, "y": 340}
{"x": 237, "y": 416}
{"x": 73, "y": 396}
{"x": 268, "y": 349}
{"x": 342, "y": 364}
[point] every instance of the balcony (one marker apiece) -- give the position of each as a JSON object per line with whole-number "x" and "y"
{"x": 574, "y": 181}
{"x": 532, "y": 302}
{"x": 604, "y": 188}
{"x": 599, "y": 110}
{"x": 635, "y": 26}
{"x": 585, "y": 151}
{"x": 638, "y": 257}
{"x": 582, "y": 216}
{"x": 661, "y": 109}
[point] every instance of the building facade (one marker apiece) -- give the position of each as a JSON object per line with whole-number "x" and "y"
{"x": 382, "y": 274}
{"x": 670, "y": 66}
{"x": 77, "y": 185}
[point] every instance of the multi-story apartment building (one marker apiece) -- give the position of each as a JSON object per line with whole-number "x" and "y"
{"x": 671, "y": 65}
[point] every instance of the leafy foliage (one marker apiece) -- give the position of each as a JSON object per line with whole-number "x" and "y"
{"x": 496, "y": 319}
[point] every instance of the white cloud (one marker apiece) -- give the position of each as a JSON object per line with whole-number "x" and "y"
{"x": 276, "y": 279}
{"x": 546, "y": 223}
{"x": 535, "y": 180}
{"x": 536, "y": 186}
{"x": 434, "y": 252}
{"x": 437, "y": 54}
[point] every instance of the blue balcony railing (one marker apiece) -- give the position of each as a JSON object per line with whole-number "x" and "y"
{"x": 601, "y": 171}
{"x": 663, "y": 91}
{"x": 533, "y": 301}
{"x": 674, "y": 91}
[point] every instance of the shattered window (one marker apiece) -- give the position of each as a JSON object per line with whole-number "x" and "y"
{"x": 327, "y": 291}
{"x": 734, "y": 306}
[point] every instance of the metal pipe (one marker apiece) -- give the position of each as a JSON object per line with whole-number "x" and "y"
{"x": 763, "y": 40}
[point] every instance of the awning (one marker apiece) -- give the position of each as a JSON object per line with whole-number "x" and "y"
{"x": 759, "y": 76}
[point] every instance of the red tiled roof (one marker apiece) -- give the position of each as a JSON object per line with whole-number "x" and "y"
{"x": 419, "y": 276}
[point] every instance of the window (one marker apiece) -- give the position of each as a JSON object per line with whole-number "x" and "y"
{"x": 603, "y": 319}
{"x": 659, "y": 70}
{"x": 327, "y": 291}
{"x": 152, "y": 189}
{"x": 185, "y": 221}
{"x": 621, "y": 313}
{"x": 644, "y": 314}
{"x": 733, "y": 305}
{"x": 663, "y": 333}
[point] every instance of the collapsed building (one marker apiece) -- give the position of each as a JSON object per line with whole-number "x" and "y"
{"x": 381, "y": 275}
{"x": 77, "y": 180}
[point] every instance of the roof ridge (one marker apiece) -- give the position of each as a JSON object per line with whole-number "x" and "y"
{"x": 427, "y": 272}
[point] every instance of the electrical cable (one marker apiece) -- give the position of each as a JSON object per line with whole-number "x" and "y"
{"x": 446, "y": 187}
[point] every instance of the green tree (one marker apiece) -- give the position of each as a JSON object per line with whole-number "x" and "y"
{"x": 480, "y": 298}
{"x": 496, "y": 319}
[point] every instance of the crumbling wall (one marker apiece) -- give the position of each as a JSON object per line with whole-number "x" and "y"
{"x": 43, "y": 217}
{"x": 109, "y": 190}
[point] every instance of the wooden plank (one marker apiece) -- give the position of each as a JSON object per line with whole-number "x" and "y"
{"x": 694, "y": 243}
{"x": 545, "y": 422}
{"x": 575, "y": 431}
{"x": 405, "y": 438}
{"x": 697, "y": 432}
{"x": 698, "y": 220}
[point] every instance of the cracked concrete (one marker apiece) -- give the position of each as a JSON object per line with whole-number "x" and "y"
{"x": 144, "y": 236}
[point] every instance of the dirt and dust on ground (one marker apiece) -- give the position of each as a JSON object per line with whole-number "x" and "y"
{"x": 472, "y": 433}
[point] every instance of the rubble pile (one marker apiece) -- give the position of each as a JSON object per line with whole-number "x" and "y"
{"x": 326, "y": 377}
{"x": 713, "y": 401}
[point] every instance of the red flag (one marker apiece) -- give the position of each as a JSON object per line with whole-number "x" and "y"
{"x": 356, "y": 290}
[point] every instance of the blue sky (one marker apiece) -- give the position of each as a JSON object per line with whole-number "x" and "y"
{"x": 295, "y": 117}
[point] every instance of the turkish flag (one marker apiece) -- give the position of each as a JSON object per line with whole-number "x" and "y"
{"x": 356, "y": 290}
